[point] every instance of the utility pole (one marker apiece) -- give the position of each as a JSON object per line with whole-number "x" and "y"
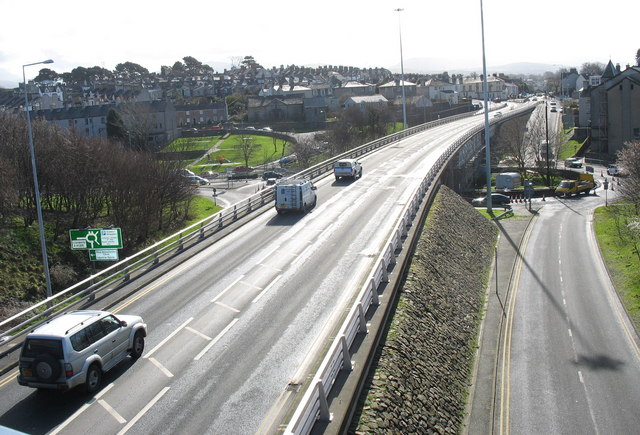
{"x": 487, "y": 129}
{"x": 546, "y": 127}
{"x": 404, "y": 99}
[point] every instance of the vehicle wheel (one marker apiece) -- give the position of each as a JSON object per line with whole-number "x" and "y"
{"x": 337, "y": 178}
{"x": 94, "y": 377}
{"x": 47, "y": 367}
{"x": 138, "y": 345}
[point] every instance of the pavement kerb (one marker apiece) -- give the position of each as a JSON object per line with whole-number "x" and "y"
{"x": 479, "y": 415}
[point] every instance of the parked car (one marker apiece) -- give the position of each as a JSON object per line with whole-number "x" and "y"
{"x": 243, "y": 169}
{"x": 210, "y": 174}
{"x": 496, "y": 199}
{"x": 271, "y": 174}
{"x": 613, "y": 170}
{"x": 77, "y": 348}
{"x": 196, "y": 180}
{"x": 271, "y": 181}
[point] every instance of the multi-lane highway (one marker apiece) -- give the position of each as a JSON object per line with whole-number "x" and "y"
{"x": 236, "y": 329}
{"x": 571, "y": 360}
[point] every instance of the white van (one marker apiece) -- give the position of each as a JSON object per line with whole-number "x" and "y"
{"x": 508, "y": 180}
{"x": 295, "y": 195}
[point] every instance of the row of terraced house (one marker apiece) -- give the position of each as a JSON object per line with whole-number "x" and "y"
{"x": 307, "y": 100}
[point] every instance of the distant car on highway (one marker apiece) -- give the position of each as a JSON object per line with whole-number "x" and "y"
{"x": 496, "y": 199}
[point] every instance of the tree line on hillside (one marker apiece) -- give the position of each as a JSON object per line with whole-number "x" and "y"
{"x": 86, "y": 182}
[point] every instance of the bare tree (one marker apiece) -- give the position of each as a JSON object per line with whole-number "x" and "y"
{"x": 246, "y": 146}
{"x": 514, "y": 144}
{"x": 629, "y": 161}
{"x": 304, "y": 149}
{"x": 138, "y": 121}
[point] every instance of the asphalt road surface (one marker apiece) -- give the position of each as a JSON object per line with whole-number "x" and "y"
{"x": 235, "y": 330}
{"x": 570, "y": 362}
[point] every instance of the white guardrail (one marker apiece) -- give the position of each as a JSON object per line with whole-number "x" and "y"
{"x": 119, "y": 274}
{"x": 314, "y": 405}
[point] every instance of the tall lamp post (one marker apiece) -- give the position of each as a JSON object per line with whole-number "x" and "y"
{"x": 404, "y": 99}
{"x": 487, "y": 130}
{"x": 43, "y": 244}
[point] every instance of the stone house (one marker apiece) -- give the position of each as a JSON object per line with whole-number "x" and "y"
{"x": 497, "y": 88}
{"x": 90, "y": 121}
{"x": 366, "y": 102}
{"x": 393, "y": 90}
{"x": 612, "y": 109}
{"x": 437, "y": 90}
{"x": 275, "y": 109}
{"x": 156, "y": 120}
{"x": 354, "y": 89}
{"x": 198, "y": 114}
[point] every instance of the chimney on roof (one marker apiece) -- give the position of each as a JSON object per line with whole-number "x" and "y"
{"x": 618, "y": 67}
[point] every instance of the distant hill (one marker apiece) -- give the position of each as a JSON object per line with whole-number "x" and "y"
{"x": 427, "y": 65}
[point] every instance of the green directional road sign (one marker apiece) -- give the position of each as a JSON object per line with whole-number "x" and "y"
{"x": 96, "y": 238}
{"x": 103, "y": 255}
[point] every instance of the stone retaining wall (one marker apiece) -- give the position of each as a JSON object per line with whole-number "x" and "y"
{"x": 423, "y": 369}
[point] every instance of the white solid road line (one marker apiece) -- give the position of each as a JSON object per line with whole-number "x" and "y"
{"x": 215, "y": 340}
{"x": 168, "y": 338}
{"x": 143, "y": 411}
{"x": 83, "y": 408}
{"x": 257, "y": 298}
{"x": 198, "y": 333}
{"x": 162, "y": 368}
{"x": 112, "y": 411}
{"x": 227, "y": 289}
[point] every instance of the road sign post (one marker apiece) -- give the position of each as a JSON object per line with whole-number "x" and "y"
{"x": 96, "y": 238}
{"x": 102, "y": 243}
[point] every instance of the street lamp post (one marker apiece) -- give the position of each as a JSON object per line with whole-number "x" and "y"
{"x": 43, "y": 245}
{"x": 487, "y": 130}
{"x": 404, "y": 99}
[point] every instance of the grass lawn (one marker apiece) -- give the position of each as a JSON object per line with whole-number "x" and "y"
{"x": 265, "y": 152}
{"x": 568, "y": 149}
{"x": 201, "y": 208}
{"x": 621, "y": 260}
{"x": 191, "y": 144}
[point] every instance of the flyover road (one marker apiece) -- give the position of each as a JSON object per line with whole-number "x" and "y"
{"x": 236, "y": 329}
{"x": 570, "y": 358}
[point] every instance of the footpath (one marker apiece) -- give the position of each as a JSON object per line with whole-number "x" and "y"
{"x": 482, "y": 413}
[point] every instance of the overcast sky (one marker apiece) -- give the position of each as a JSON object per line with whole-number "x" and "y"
{"x": 361, "y": 33}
